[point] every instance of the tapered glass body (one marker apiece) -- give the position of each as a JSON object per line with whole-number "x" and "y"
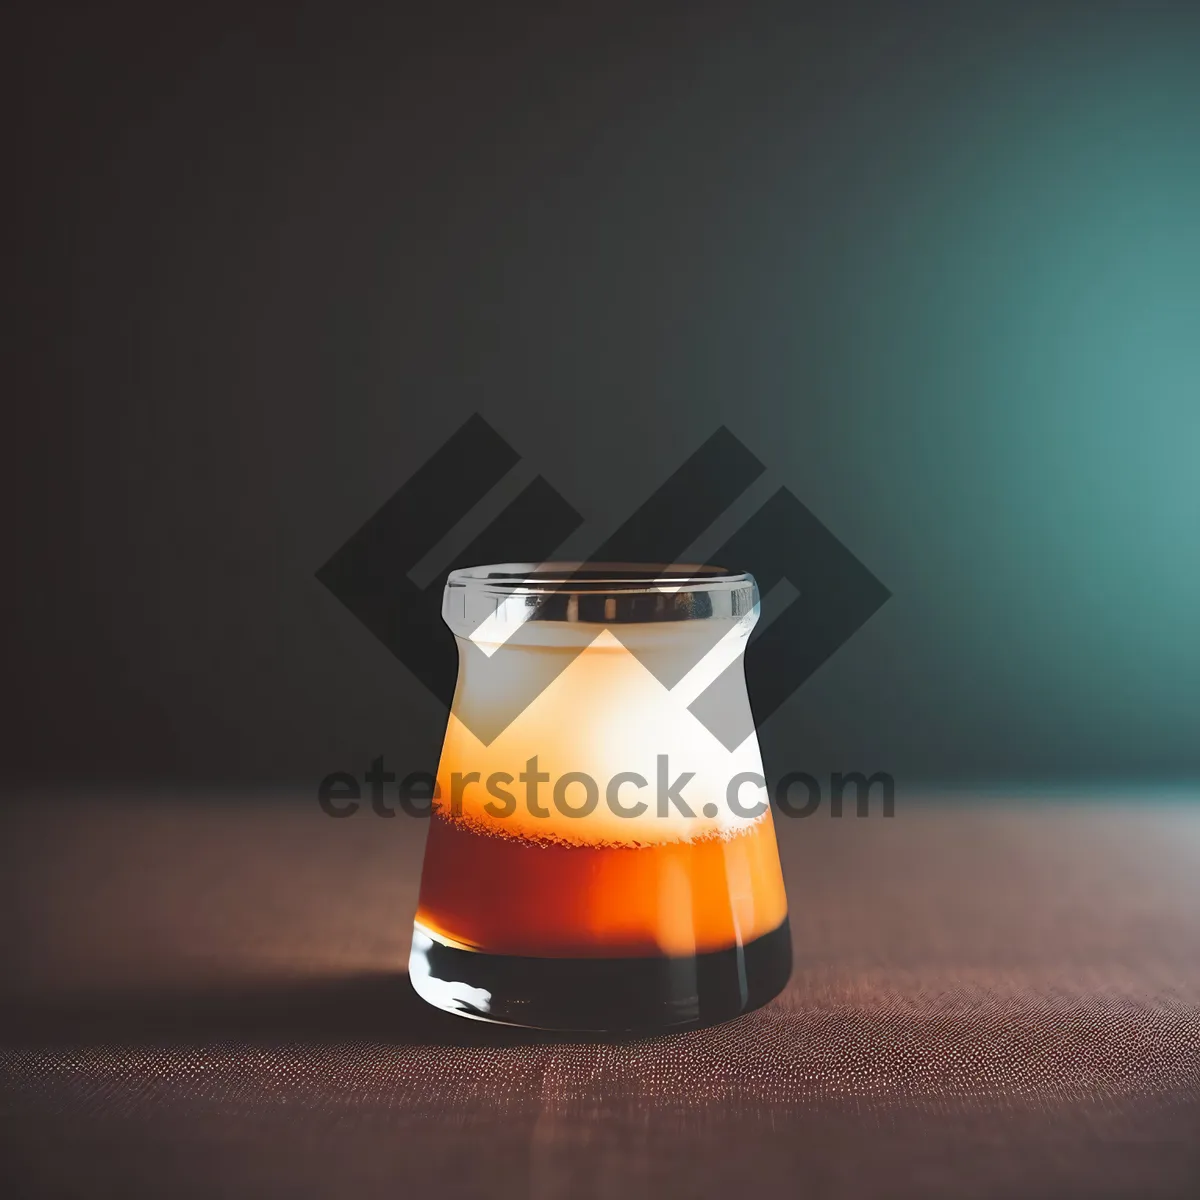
{"x": 601, "y": 855}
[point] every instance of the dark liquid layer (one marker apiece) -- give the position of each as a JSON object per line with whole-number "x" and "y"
{"x": 614, "y": 994}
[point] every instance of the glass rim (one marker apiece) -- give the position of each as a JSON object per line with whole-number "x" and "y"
{"x": 601, "y": 593}
{"x": 589, "y": 578}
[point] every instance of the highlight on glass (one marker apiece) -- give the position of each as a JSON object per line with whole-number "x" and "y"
{"x": 595, "y": 858}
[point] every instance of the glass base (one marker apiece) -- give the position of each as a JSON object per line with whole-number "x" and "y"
{"x": 593, "y": 995}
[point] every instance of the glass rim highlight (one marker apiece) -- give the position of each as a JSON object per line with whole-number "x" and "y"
{"x": 597, "y": 593}
{"x": 588, "y": 577}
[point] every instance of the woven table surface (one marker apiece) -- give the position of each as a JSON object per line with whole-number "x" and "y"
{"x": 205, "y": 994}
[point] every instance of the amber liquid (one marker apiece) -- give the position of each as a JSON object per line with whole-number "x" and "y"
{"x": 517, "y": 895}
{"x": 571, "y": 936}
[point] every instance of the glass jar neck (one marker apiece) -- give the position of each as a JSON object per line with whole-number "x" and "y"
{"x": 570, "y": 603}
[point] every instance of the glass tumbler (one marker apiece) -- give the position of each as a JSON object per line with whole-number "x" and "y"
{"x": 599, "y": 856}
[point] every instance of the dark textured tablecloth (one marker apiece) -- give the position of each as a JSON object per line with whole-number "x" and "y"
{"x": 205, "y": 996}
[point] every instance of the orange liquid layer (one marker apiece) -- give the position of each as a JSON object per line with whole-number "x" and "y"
{"x": 513, "y": 895}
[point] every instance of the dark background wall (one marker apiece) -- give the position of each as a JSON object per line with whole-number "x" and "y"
{"x": 939, "y": 269}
